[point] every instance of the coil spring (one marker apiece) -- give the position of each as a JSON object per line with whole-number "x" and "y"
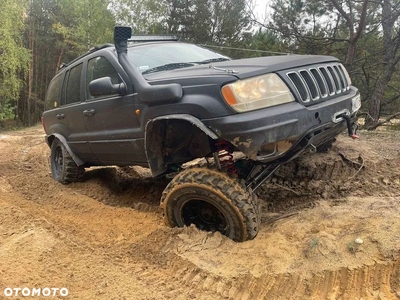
{"x": 225, "y": 157}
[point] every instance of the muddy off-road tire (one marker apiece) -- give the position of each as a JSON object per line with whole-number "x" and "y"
{"x": 212, "y": 201}
{"x": 63, "y": 167}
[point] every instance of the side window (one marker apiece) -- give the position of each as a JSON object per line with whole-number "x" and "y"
{"x": 53, "y": 93}
{"x": 99, "y": 67}
{"x": 73, "y": 87}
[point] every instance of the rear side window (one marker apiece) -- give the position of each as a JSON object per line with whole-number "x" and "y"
{"x": 73, "y": 87}
{"x": 99, "y": 67}
{"x": 53, "y": 93}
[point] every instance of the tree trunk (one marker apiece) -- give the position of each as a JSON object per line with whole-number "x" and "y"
{"x": 59, "y": 61}
{"x": 375, "y": 106}
{"x": 391, "y": 45}
{"x": 354, "y": 35}
{"x": 31, "y": 38}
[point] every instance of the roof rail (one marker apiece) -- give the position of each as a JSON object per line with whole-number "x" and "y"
{"x": 91, "y": 50}
{"x": 95, "y": 48}
{"x": 152, "y": 38}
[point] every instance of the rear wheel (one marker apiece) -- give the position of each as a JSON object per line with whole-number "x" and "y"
{"x": 63, "y": 167}
{"x": 212, "y": 201}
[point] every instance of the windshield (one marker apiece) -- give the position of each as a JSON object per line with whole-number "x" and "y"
{"x": 157, "y": 57}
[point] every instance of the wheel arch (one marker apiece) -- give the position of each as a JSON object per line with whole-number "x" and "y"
{"x": 61, "y": 138}
{"x": 159, "y": 140}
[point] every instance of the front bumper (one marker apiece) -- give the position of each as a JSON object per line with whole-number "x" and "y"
{"x": 291, "y": 124}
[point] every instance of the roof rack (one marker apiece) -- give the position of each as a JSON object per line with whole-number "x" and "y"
{"x": 153, "y": 38}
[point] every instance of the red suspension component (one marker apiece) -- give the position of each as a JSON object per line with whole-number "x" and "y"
{"x": 225, "y": 158}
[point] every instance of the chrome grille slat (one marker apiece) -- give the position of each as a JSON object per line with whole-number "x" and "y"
{"x": 311, "y": 85}
{"x": 319, "y": 82}
{"x": 338, "y": 90}
{"x": 328, "y": 80}
{"x": 341, "y": 80}
{"x": 323, "y": 89}
{"x": 300, "y": 85}
{"x": 346, "y": 84}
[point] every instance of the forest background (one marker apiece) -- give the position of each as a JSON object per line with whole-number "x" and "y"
{"x": 37, "y": 36}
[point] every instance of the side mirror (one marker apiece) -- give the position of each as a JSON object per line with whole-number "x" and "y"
{"x": 104, "y": 86}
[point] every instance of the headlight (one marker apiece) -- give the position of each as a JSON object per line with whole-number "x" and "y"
{"x": 257, "y": 92}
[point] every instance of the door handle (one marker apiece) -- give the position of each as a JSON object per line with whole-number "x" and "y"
{"x": 60, "y": 116}
{"x": 89, "y": 112}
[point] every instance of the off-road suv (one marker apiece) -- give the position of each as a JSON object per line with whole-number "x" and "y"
{"x": 161, "y": 103}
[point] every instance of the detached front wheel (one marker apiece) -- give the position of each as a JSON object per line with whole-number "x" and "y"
{"x": 212, "y": 201}
{"x": 63, "y": 167}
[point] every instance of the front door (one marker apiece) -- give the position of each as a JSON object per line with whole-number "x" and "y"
{"x": 113, "y": 130}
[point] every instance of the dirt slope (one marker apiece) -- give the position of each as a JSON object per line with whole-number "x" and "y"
{"x": 105, "y": 238}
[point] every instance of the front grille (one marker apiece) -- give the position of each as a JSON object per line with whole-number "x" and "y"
{"x": 319, "y": 82}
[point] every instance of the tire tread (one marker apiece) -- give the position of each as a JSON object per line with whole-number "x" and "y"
{"x": 71, "y": 172}
{"x": 241, "y": 197}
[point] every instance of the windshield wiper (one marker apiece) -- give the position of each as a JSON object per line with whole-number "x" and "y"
{"x": 168, "y": 67}
{"x": 211, "y": 60}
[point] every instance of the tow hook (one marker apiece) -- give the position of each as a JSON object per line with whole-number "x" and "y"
{"x": 351, "y": 131}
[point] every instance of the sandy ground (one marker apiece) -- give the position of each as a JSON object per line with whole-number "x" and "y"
{"x": 330, "y": 230}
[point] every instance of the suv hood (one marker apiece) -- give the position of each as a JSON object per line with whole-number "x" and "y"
{"x": 243, "y": 68}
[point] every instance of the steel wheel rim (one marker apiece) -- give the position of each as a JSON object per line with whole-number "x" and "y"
{"x": 205, "y": 216}
{"x": 58, "y": 160}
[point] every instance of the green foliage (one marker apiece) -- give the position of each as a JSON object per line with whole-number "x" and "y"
{"x": 7, "y": 110}
{"x": 265, "y": 40}
{"x": 303, "y": 25}
{"x": 198, "y": 21}
{"x": 253, "y": 44}
{"x": 320, "y": 27}
{"x": 83, "y": 24}
{"x": 57, "y": 31}
{"x": 143, "y": 16}
{"x": 46, "y": 33}
{"x": 13, "y": 56}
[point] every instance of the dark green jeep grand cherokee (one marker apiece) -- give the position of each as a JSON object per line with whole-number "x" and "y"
{"x": 160, "y": 103}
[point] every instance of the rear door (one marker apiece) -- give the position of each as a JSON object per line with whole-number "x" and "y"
{"x": 113, "y": 130}
{"x": 64, "y": 99}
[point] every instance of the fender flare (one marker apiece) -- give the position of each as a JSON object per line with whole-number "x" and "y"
{"x": 195, "y": 121}
{"x": 61, "y": 138}
{"x": 154, "y": 157}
